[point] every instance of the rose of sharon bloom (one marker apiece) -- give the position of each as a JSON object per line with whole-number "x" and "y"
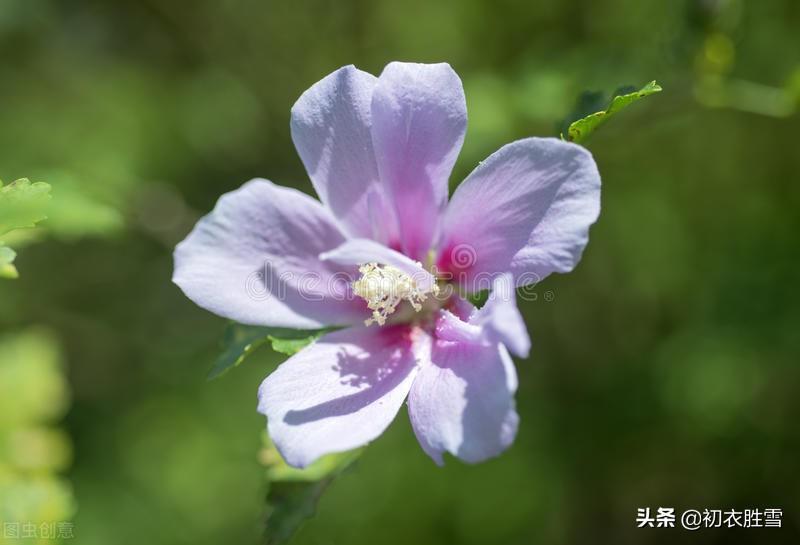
{"x": 378, "y": 254}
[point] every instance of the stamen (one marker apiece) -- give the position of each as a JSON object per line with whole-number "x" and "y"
{"x": 384, "y": 287}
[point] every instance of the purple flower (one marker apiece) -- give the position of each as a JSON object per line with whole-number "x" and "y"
{"x": 380, "y": 256}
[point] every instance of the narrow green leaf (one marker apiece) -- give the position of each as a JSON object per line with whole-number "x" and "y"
{"x": 291, "y": 347}
{"x": 240, "y": 341}
{"x": 293, "y": 493}
{"x": 289, "y": 505}
{"x": 581, "y": 129}
{"x": 22, "y": 204}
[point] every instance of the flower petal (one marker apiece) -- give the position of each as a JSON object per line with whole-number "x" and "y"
{"x": 460, "y": 307}
{"x": 361, "y": 251}
{"x": 527, "y": 209}
{"x": 500, "y": 317}
{"x": 450, "y": 327}
{"x": 419, "y": 118}
{"x": 331, "y": 131}
{"x": 462, "y": 401}
{"x": 496, "y": 321}
{"x": 254, "y": 259}
{"x": 339, "y": 393}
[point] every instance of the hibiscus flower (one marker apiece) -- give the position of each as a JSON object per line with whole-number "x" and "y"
{"x": 386, "y": 259}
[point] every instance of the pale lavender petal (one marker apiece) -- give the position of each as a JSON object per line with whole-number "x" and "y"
{"x": 254, "y": 259}
{"x": 450, "y": 327}
{"x": 527, "y": 208}
{"x": 339, "y": 393}
{"x": 500, "y": 317}
{"x": 462, "y": 401}
{"x": 461, "y": 308}
{"x": 360, "y": 251}
{"x": 498, "y": 321}
{"x": 331, "y": 129}
{"x": 419, "y": 118}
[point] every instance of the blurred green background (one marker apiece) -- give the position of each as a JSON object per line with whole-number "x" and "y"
{"x": 664, "y": 370}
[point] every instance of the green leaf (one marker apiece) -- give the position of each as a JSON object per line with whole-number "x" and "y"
{"x": 7, "y": 268}
{"x": 289, "y": 505}
{"x": 293, "y": 493}
{"x": 238, "y": 342}
{"x": 580, "y": 130}
{"x": 291, "y": 347}
{"x": 587, "y": 103}
{"x": 22, "y": 204}
{"x": 241, "y": 340}
{"x": 478, "y": 298}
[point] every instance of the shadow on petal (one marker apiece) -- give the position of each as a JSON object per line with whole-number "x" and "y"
{"x": 359, "y": 371}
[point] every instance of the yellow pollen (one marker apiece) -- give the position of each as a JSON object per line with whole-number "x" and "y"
{"x": 384, "y": 287}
